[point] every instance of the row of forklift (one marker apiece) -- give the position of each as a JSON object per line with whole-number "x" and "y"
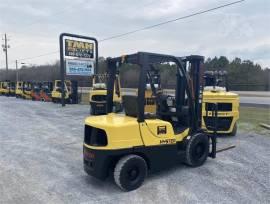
{"x": 129, "y": 135}
{"x": 41, "y": 91}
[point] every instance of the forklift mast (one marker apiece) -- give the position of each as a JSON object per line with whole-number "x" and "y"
{"x": 195, "y": 63}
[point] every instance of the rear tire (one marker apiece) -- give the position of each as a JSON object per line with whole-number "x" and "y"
{"x": 197, "y": 150}
{"x": 130, "y": 172}
{"x": 118, "y": 107}
{"x": 92, "y": 111}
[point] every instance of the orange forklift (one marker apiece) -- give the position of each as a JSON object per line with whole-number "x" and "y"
{"x": 46, "y": 91}
{"x": 35, "y": 92}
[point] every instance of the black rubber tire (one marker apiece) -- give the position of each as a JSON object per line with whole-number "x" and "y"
{"x": 92, "y": 110}
{"x": 118, "y": 107}
{"x": 197, "y": 150}
{"x": 130, "y": 172}
{"x": 234, "y": 131}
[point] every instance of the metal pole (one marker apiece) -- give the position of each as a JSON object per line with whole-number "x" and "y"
{"x": 6, "y": 52}
{"x": 62, "y": 71}
{"x": 96, "y": 48}
{"x": 17, "y": 74}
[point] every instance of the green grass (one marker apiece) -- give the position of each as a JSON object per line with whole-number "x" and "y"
{"x": 251, "y": 117}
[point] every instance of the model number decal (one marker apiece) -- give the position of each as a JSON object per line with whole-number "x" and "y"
{"x": 167, "y": 141}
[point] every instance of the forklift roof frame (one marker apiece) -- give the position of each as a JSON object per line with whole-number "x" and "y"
{"x": 217, "y": 75}
{"x": 145, "y": 60}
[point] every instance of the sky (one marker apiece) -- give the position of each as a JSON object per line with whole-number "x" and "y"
{"x": 33, "y": 28}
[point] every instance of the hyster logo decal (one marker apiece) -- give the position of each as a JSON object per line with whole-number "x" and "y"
{"x": 167, "y": 141}
{"x": 80, "y": 49}
{"x": 161, "y": 130}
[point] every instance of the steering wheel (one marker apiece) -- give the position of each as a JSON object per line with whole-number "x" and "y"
{"x": 162, "y": 103}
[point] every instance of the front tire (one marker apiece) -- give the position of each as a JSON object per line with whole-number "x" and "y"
{"x": 130, "y": 172}
{"x": 234, "y": 131}
{"x": 197, "y": 150}
{"x": 92, "y": 110}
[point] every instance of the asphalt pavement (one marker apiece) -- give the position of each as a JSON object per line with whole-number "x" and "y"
{"x": 256, "y": 101}
{"x": 41, "y": 162}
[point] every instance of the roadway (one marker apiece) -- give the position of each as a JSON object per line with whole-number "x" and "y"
{"x": 247, "y": 98}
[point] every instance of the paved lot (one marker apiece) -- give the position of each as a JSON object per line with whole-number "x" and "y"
{"x": 41, "y": 162}
{"x": 255, "y": 100}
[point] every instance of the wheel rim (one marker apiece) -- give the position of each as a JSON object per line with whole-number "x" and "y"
{"x": 198, "y": 151}
{"x": 133, "y": 174}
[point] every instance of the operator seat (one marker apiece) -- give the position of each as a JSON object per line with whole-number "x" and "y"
{"x": 131, "y": 109}
{"x": 130, "y": 105}
{"x": 179, "y": 119}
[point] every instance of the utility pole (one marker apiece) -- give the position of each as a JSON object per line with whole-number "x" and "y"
{"x": 5, "y": 47}
{"x": 17, "y": 74}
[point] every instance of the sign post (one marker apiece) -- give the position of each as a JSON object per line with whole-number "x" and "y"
{"x": 81, "y": 55}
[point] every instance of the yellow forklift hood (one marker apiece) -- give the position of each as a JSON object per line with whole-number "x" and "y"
{"x": 111, "y": 120}
{"x": 122, "y": 131}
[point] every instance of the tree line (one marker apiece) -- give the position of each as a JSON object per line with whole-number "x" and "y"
{"x": 242, "y": 74}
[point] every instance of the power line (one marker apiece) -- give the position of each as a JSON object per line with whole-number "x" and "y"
{"x": 149, "y": 27}
{"x": 170, "y": 21}
{"x": 67, "y": 8}
{"x": 41, "y": 55}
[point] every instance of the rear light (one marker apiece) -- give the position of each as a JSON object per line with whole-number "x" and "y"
{"x": 89, "y": 155}
{"x": 95, "y": 136}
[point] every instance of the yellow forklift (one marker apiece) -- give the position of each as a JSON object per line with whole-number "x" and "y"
{"x": 71, "y": 92}
{"x": 216, "y": 91}
{"x": 26, "y": 90}
{"x": 133, "y": 143}
{"x": 18, "y": 90}
{"x": 57, "y": 91}
{"x": 11, "y": 88}
{"x": 4, "y": 88}
{"x": 98, "y": 94}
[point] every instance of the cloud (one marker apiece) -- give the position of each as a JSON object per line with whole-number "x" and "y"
{"x": 241, "y": 30}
